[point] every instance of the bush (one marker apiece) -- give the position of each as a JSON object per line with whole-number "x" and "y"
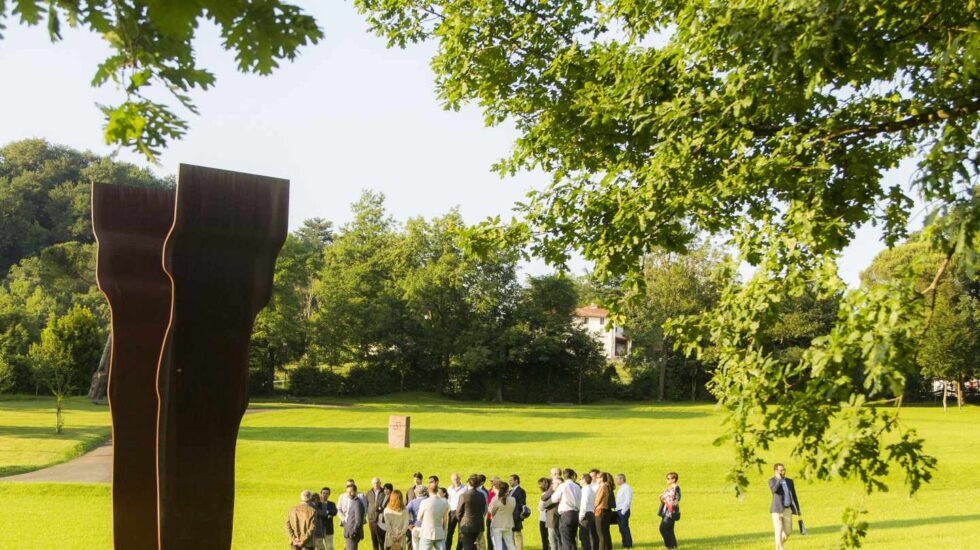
{"x": 314, "y": 381}
{"x": 370, "y": 380}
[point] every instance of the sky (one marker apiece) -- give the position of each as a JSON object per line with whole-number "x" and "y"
{"x": 347, "y": 115}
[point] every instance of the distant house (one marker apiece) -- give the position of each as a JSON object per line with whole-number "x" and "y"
{"x": 593, "y": 318}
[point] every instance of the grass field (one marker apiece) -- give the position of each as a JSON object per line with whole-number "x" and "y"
{"x": 283, "y": 451}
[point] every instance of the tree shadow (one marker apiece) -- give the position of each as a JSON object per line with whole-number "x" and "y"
{"x": 762, "y": 536}
{"x": 47, "y": 432}
{"x": 312, "y": 434}
{"x": 639, "y": 411}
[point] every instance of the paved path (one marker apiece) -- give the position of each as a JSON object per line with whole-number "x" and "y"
{"x": 94, "y": 466}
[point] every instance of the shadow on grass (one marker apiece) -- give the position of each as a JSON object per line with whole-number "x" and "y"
{"x": 312, "y": 434}
{"x": 763, "y": 536}
{"x": 47, "y": 432}
{"x": 624, "y": 411}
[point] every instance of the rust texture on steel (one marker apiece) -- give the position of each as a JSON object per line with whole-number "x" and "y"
{"x": 220, "y": 254}
{"x": 130, "y": 225}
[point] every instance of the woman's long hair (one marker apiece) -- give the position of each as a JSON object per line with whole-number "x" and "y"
{"x": 396, "y": 502}
{"x": 502, "y": 491}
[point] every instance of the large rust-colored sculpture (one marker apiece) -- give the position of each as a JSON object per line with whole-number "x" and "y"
{"x": 185, "y": 275}
{"x": 130, "y": 225}
{"x": 220, "y": 254}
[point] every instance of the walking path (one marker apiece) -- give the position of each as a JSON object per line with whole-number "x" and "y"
{"x": 94, "y": 466}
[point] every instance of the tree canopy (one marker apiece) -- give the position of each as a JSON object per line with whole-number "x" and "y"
{"x": 769, "y": 122}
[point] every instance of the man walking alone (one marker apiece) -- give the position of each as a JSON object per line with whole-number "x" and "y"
{"x": 784, "y": 504}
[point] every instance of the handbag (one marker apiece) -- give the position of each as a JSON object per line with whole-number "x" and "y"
{"x": 614, "y": 520}
{"x": 676, "y": 514}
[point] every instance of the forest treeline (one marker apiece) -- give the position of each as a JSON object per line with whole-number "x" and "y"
{"x": 376, "y": 305}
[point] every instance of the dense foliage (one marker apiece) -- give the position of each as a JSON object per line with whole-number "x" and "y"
{"x": 378, "y": 306}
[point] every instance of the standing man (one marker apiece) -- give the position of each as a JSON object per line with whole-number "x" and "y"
{"x": 784, "y": 504}
{"x": 455, "y": 489}
{"x": 325, "y": 514}
{"x": 568, "y": 496}
{"x": 433, "y": 520}
{"x": 375, "y": 506}
{"x": 413, "y": 516}
{"x": 301, "y": 523}
{"x": 471, "y": 510}
{"x": 624, "y": 502}
{"x": 413, "y": 490}
{"x": 586, "y": 516}
{"x": 594, "y": 473}
{"x": 354, "y": 519}
{"x": 520, "y": 503}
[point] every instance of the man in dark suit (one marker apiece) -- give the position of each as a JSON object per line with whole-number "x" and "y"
{"x": 520, "y": 502}
{"x": 471, "y": 511}
{"x": 375, "y": 506}
{"x": 785, "y": 503}
{"x": 354, "y": 522}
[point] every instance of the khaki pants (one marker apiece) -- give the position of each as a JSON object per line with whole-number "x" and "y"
{"x": 519, "y": 540}
{"x": 782, "y": 523}
{"x": 323, "y": 543}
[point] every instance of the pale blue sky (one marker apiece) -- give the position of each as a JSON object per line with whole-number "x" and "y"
{"x": 349, "y": 114}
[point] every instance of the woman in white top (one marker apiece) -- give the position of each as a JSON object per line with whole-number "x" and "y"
{"x": 394, "y": 521}
{"x": 502, "y": 518}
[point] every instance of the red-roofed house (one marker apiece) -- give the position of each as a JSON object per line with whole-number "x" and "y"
{"x": 594, "y": 319}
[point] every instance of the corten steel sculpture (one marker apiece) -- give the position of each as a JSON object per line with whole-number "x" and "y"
{"x": 228, "y": 228}
{"x": 130, "y": 225}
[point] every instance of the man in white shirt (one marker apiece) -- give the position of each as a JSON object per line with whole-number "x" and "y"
{"x": 568, "y": 496}
{"x": 433, "y": 519}
{"x": 455, "y": 489}
{"x": 343, "y": 503}
{"x": 586, "y": 516}
{"x": 624, "y": 502}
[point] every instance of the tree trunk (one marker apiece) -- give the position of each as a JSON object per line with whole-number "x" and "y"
{"x": 945, "y": 390}
{"x": 662, "y": 386}
{"x": 960, "y": 396}
{"x": 694, "y": 382}
{"x": 100, "y": 378}
{"x": 59, "y": 419}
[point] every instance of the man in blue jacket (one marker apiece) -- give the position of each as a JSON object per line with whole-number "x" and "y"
{"x": 785, "y": 503}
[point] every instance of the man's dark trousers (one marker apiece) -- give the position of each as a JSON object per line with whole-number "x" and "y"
{"x": 624, "y": 529}
{"x": 453, "y": 523}
{"x": 544, "y": 536}
{"x": 568, "y": 525}
{"x": 587, "y": 532}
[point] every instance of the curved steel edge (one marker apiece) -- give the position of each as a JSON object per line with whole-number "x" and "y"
{"x": 130, "y": 225}
{"x": 219, "y": 256}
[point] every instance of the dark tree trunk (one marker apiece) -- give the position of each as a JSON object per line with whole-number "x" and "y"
{"x": 99, "y": 387}
{"x": 662, "y": 385}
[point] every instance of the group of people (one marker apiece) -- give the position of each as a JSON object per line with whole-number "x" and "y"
{"x": 574, "y": 513}
{"x": 479, "y": 514}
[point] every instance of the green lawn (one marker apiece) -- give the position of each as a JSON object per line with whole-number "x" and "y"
{"x": 283, "y": 451}
{"x": 27, "y": 438}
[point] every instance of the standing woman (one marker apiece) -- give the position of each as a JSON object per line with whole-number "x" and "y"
{"x": 605, "y": 504}
{"x": 502, "y": 517}
{"x": 670, "y": 511}
{"x": 394, "y": 522}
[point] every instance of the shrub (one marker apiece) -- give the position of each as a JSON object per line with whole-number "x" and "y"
{"x": 314, "y": 381}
